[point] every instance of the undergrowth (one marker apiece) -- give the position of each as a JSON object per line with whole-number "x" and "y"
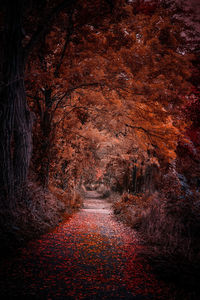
{"x": 169, "y": 225}
{"x": 37, "y": 212}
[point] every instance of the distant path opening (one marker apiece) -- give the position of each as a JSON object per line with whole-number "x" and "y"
{"x": 94, "y": 204}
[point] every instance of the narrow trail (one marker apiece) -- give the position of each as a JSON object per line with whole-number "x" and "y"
{"x": 91, "y": 256}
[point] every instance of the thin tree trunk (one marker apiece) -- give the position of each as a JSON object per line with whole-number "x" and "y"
{"x": 46, "y": 140}
{"x": 134, "y": 179}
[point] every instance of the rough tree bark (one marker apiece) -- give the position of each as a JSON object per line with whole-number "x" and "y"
{"x": 15, "y": 118}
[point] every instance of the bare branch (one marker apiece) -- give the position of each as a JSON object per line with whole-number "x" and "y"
{"x": 72, "y": 89}
{"x": 148, "y": 133}
{"x": 67, "y": 40}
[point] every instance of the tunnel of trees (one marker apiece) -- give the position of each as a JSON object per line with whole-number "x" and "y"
{"x": 99, "y": 92}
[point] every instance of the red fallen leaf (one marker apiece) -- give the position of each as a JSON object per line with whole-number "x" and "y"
{"x": 88, "y": 263}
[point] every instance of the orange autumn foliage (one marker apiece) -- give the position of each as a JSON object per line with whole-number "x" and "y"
{"x": 120, "y": 81}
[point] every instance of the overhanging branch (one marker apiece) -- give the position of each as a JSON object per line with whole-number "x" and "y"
{"x": 72, "y": 89}
{"x": 148, "y": 133}
{"x": 69, "y": 32}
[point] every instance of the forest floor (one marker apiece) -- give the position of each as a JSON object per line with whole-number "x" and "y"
{"x": 89, "y": 256}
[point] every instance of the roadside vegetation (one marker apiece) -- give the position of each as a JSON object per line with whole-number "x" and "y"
{"x": 38, "y": 211}
{"x": 168, "y": 223}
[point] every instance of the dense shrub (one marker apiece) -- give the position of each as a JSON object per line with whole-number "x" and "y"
{"x": 37, "y": 211}
{"x": 169, "y": 224}
{"x": 129, "y": 208}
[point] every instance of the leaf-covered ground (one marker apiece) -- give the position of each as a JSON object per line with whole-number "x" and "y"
{"x": 91, "y": 256}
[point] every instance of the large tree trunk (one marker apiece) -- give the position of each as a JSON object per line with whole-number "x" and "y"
{"x": 22, "y": 137}
{"x": 15, "y": 124}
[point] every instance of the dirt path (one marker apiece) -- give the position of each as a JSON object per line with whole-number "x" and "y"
{"x": 91, "y": 256}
